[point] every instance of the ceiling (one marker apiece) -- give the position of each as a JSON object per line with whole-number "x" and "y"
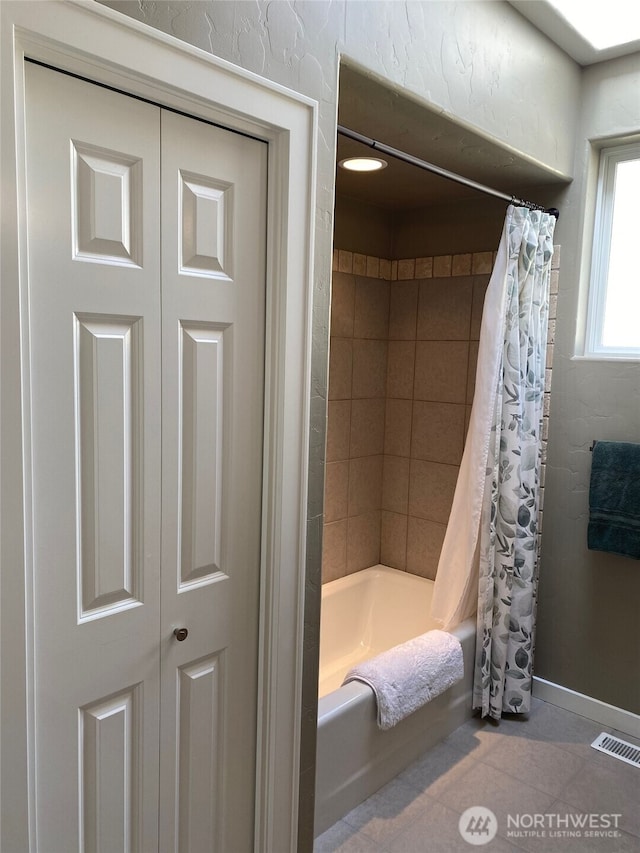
{"x": 373, "y": 109}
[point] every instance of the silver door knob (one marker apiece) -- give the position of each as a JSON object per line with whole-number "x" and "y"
{"x": 180, "y": 634}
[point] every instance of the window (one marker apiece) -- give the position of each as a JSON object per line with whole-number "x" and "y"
{"x": 613, "y": 325}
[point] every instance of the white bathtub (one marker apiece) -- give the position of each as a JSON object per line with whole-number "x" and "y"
{"x": 362, "y": 615}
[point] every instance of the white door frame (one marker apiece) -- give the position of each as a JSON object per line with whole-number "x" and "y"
{"x": 102, "y": 45}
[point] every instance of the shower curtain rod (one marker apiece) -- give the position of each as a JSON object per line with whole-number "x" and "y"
{"x": 438, "y": 170}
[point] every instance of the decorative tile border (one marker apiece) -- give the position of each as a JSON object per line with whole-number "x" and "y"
{"x": 437, "y": 266}
{"x": 408, "y": 269}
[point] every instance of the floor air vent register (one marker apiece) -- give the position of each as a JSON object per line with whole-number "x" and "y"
{"x": 617, "y": 748}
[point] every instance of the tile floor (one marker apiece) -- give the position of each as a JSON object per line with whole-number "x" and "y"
{"x": 540, "y": 765}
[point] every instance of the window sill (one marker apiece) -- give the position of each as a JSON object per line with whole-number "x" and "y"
{"x": 607, "y": 357}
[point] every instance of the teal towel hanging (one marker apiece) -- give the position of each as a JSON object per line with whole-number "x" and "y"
{"x": 614, "y": 499}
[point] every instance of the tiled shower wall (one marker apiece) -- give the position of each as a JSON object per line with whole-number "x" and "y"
{"x": 404, "y": 345}
{"x": 356, "y": 423}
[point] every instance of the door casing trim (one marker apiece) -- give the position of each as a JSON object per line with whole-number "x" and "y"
{"x": 107, "y": 47}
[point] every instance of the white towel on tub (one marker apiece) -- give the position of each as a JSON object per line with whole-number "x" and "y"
{"x": 408, "y": 676}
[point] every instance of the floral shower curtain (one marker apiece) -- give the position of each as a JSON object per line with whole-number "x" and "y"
{"x": 489, "y": 558}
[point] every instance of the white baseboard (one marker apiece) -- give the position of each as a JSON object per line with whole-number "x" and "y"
{"x": 600, "y": 712}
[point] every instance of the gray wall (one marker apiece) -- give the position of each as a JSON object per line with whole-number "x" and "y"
{"x": 374, "y": 239}
{"x": 589, "y": 601}
{"x": 474, "y": 225}
{"x": 480, "y": 62}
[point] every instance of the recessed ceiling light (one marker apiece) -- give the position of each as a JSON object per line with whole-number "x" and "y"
{"x": 363, "y": 164}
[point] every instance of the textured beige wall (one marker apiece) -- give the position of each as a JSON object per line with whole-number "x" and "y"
{"x": 588, "y": 601}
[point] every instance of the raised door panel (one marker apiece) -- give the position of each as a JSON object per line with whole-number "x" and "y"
{"x": 107, "y": 205}
{"x": 111, "y": 773}
{"x": 93, "y": 170}
{"x": 206, "y": 226}
{"x": 213, "y": 237}
{"x": 200, "y": 705}
{"x": 202, "y": 414}
{"x": 109, "y": 436}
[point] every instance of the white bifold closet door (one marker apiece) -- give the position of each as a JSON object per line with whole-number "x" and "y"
{"x": 146, "y": 234}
